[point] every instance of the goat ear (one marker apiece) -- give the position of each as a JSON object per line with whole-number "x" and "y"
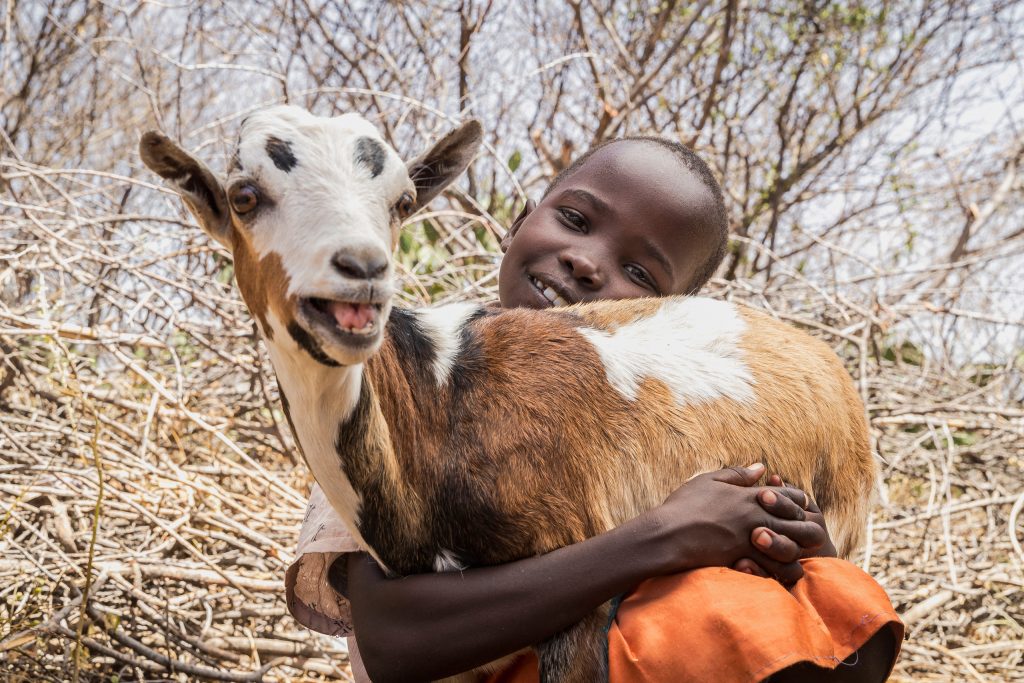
{"x": 436, "y": 168}
{"x": 201, "y": 190}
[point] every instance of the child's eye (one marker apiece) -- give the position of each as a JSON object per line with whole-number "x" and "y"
{"x": 573, "y": 219}
{"x": 642, "y": 277}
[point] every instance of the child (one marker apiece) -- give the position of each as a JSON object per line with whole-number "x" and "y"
{"x": 631, "y": 218}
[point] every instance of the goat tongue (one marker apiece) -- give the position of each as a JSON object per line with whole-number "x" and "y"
{"x": 352, "y": 316}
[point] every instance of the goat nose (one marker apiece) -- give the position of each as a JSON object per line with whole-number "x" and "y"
{"x": 359, "y": 267}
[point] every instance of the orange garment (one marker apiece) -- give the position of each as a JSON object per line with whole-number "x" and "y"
{"x": 717, "y": 624}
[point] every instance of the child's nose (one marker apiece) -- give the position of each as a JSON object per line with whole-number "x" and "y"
{"x": 583, "y": 269}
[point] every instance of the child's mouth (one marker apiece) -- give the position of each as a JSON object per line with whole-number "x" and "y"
{"x": 553, "y": 297}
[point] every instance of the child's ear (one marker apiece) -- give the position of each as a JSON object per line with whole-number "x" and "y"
{"x": 527, "y": 209}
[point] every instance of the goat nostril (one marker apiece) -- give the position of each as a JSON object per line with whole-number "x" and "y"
{"x": 375, "y": 266}
{"x": 359, "y": 268}
{"x": 349, "y": 266}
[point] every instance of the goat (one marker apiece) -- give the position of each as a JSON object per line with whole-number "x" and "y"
{"x": 456, "y": 435}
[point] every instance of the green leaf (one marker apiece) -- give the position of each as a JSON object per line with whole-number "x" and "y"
{"x": 514, "y": 161}
{"x": 406, "y": 243}
{"x": 432, "y": 234}
{"x": 964, "y": 438}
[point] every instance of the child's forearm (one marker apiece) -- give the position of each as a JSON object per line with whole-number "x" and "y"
{"x": 430, "y": 626}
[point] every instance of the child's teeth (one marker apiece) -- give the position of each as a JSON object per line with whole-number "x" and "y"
{"x": 549, "y": 294}
{"x": 559, "y": 301}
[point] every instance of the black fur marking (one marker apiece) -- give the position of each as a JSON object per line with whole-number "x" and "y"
{"x": 280, "y": 152}
{"x": 481, "y": 313}
{"x": 461, "y": 513}
{"x": 412, "y": 345}
{"x": 291, "y": 425}
{"x": 379, "y": 523}
{"x": 471, "y": 361}
{"x": 463, "y": 505}
{"x": 310, "y": 345}
{"x": 195, "y": 184}
{"x": 460, "y": 509}
{"x": 236, "y": 162}
{"x": 172, "y": 170}
{"x": 371, "y": 154}
{"x": 464, "y": 516}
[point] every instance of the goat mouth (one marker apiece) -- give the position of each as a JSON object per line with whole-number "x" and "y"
{"x": 351, "y": 321}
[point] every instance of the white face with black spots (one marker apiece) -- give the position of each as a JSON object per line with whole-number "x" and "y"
{"x": 311, "y": 210}
{"x": 326, "y": 197}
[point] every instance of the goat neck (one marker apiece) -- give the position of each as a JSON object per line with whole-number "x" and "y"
{"x": 346, "y": 442}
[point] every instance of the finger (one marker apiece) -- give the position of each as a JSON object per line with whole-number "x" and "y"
{"x": 794, "y": 494}
{"x": 781, "y": 506}
{"x": 785, "y": 572}
{"x": 777, "y": 547}
{"x": 740, "y": 476}
{"x": 826, "y": 549}
{"x": 807, "y": 534}
{"x": 776, "y": 480}
{"x": 748, "y": 566}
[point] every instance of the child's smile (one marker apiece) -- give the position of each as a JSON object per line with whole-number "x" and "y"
{"x": 553, "y": 293}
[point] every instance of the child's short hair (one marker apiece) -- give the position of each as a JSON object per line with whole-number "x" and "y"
{"x": 719, "y": 216}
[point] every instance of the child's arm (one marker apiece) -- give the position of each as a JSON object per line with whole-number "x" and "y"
{"x": 430, "y": 626}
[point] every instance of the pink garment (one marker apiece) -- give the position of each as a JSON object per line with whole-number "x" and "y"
{"x": 309, "y": 596}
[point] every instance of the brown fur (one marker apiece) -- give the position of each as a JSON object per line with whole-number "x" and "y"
{"x": 528, "y": 448}
{"x": 553, "y": 462}
{"x": 262, "y": 282}
{"x": 612, "y": 315}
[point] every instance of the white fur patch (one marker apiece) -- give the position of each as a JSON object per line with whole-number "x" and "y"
{"x": 691, "y": 344}
{"x": 319, "y": 400}
{"x": 443, "y": 324}
{"x": 446, "y": 561}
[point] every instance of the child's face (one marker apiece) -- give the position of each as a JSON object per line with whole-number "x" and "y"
{"x": 632, "y": 221}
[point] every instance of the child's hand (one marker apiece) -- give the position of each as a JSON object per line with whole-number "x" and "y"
{"x": 782, "y": 506}
{"x": 713, "y": 520}
{"x": 810, "y": 513}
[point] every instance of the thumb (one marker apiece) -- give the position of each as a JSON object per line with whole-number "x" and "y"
{"x": 740, "y": 476}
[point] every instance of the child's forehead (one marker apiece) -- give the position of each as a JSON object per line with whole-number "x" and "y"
{"x": 635, "y": 157}
{"x": 646, "y": 171}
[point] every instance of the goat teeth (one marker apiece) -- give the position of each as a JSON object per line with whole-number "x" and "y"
{"x": 367, "y": 329}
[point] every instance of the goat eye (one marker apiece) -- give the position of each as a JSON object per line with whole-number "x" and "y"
{"x": 244, "y": 199}
{"x": 405, "y": 205}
